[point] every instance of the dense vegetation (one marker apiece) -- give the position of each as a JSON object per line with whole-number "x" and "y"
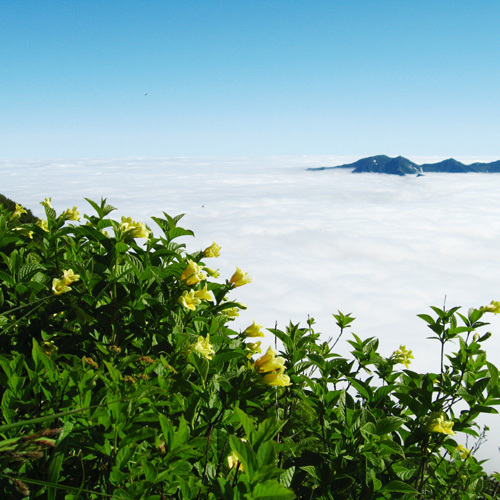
{"x": 122, "y": 378}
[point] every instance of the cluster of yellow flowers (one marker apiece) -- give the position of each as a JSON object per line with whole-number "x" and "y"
{"x": 402, "y": 355}
{"x": 273, "y": 369}
{"x": 18, "y": 211}
{"x": 71, "y": 214}
{"x": 193, "y": 298}
{"x": 43, "y": 224}
{"x": 62, "y": 285}
{"x": 436, "y": 422}
{"x": 193, "y": 273}
{"x": 136, "y": 229}
{"x": 463, "y": 451}
{"x": 492, "y": 307}
{"x": 204, "y": 347}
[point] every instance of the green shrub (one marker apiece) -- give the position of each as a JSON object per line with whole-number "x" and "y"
{"x": 122, "y": 378}
{"x": 25, "y": 215}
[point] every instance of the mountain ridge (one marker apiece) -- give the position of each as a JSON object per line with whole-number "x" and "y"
{"x": 400, "y": 165}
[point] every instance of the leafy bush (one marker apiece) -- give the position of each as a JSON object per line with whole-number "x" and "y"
{"x": 122, "y": 378}
{"x": 11, "y": 206}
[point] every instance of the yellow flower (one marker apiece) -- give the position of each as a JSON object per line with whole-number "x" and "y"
{"x": 254, "y": 330}
{"x": 402, "y": 355}
{"x": 60, "y": 286}
{"x": 212, "y": 251}
{"x": 435, "y": 422}
{"x": 42, "y": 223}
{"x": 193, "y": 273}
{"x": 204, "y": 347}
{"x": 253, "y": 348}
{"x": 231, "y": 312}
{"x": 18, "y": 211}
{"x": 234, "y": 461}
{"x": 203, "y": 294}
{"x": 70, "y": 277}
{"x": 463, "y": 451}
{"x": 188, "y": 300}
{"x": 136, "y": 229}
{"x": 47, "y": 202}
{"x": 240, "y": 278}
{"x": 277, "y": 378}
{"x": 269, "y": 362}
{"x": 49, "y": 347}
{"x": 493, "y": 307}
{"x": 212, "y": 272}
{"x": 140, "y": 231}
{"x": 72, "y": 214}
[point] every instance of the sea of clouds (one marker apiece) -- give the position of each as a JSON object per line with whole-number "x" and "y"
{"x": 381, "y": 247}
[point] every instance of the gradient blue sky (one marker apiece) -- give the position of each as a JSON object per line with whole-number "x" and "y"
{"x": 249, "y": 78}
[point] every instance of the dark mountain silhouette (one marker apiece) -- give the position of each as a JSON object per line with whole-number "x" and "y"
{"x": 383, "y": 164}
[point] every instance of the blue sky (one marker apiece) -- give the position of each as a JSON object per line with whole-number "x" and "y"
{"x": 249, "y": 78}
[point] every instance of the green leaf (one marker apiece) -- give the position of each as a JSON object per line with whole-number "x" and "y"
{"x": 389, "y": 424}
{"x": 245, "y": 421}
{"x": 272, "y": 490}
{"x": 399, "y": 487}
{"x": 180, "y": 468}
{"x": 245, "y": 455}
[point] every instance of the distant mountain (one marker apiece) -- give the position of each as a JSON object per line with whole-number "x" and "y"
{"x": 383, "y": 164}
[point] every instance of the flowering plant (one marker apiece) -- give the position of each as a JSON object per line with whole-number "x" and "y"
{"x": 122, "y": 378}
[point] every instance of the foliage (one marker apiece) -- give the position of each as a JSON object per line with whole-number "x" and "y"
{"x": 10, "y": 206}
{"x": 122, "y": 378}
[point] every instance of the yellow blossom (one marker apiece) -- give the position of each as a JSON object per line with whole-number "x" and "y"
{"x": 212, "y": 251}
{"x": 212, "y": 272}
{"x": 402, "y": 355}
{"x": 463, "y": 451}
{"x": 436, "y": 422}
{"x": 234, "y": 461}
{"x": 493, "y": 307}
{"x": 71, "y": 214}
{"x": 188, "y": 300}
{"x": 136, "y": 229}
{"x": 253, "y": 348}
{"x": 269, "y": 362}
{"x": 140, "y": 231}
{"x": 47, "y": 202}
{"x": 48, "y": 347}
{"x": 240, "y": 278}
{"x": 232, "y": 312}
{"x": 60, "y": 286}
{"x": 193, "y": 273}
{"x": 70, "y": 277}
{"x": 254, "y": 330}
{"x": 18, "y": 211}
{"x": 277, "y": 378}
{"x": 204, "y": 347}
{"x": 42, "y": 223}
{"x": 203, "y": 294}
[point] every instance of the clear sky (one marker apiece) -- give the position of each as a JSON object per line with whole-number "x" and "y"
{"x": 219, "y": 78}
